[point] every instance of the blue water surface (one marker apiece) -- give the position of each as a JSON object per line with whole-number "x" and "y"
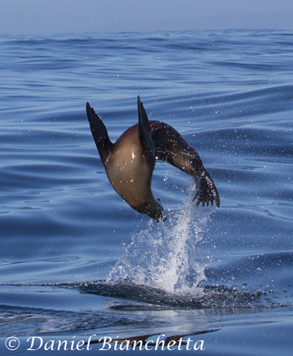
{"x": 76, "y": 260}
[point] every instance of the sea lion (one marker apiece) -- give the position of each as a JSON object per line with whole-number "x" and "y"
{"x": 130, "y": 161}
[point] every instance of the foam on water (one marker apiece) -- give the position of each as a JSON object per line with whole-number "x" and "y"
{"x": 164, "y": 255}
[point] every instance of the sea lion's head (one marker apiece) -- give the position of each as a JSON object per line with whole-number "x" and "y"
{"x": 154, "y": 209}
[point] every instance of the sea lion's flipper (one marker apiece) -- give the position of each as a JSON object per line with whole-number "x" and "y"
{"x": 172, "y": 148}
{"x": 144, "y": 132}
{"x": 206, "y": 190}
{"x": 99, "y": 132}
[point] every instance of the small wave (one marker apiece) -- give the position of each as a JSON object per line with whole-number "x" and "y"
{"x": 161, "y": 267}
{"x": 217, "y": 297}
{"x": 30, "y": 321}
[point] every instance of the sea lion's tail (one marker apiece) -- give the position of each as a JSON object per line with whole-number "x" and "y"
{"x": 99, "y": 132}
{"x": 144, "y": 132}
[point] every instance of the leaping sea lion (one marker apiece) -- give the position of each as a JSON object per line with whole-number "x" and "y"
{"x": 130, "y": 161}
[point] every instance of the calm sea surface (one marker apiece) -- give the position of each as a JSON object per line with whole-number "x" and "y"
{"x": 76, "y": 260}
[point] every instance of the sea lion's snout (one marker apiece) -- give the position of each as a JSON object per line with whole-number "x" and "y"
{"x": 160, "y": 216}
{"x": 154, "y": 210}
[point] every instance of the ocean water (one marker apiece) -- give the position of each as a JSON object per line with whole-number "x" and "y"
{"x": 76, "y": 262}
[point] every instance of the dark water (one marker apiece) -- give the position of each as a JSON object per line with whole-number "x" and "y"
{"x": 75, "y": 260}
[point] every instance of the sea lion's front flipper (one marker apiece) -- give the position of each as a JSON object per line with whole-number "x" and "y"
{"x": 144, "y": 132}
{"x": 99, "y": 132}
{"x": 172, "y": 148}
{"x": 206, "y": 190}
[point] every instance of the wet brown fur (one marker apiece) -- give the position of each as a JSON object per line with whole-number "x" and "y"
{"x": 129, "y": 163}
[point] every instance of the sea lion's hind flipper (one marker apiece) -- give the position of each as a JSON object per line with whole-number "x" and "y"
{"x": 206, "y": 190}
{"x": 99, "y": 132}
{"x": 144, "y": 132}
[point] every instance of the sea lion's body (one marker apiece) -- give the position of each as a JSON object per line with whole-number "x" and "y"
{"x": 129, "y": 163}
{"x": 130, "y": 171}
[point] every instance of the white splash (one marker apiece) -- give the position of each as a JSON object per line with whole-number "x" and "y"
{"x": 164, "y": 255}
